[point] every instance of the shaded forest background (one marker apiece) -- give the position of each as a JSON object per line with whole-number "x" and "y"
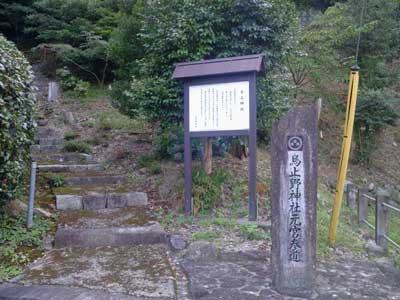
{"x": 130, "y": 46}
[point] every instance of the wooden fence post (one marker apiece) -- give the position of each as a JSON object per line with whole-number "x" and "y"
{"x": 381, "y": 218}
{"x": 351, "y": 195}
{"x": 362, "y": 205}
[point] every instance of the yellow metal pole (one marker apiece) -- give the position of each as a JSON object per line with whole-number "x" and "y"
{"x": 346, "y": 146}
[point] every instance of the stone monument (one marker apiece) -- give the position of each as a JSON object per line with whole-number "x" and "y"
{"x": 293, "y": 200}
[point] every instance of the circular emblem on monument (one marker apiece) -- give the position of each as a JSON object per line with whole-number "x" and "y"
{"x": 295, "y": 143}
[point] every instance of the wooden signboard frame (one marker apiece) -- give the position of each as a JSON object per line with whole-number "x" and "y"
{"x": 220, "y": 71}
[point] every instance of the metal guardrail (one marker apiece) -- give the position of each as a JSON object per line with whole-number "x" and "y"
{"x": 382, "y": 208}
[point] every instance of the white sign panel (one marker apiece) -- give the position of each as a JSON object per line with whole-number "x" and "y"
{"x": 219, "y": 107}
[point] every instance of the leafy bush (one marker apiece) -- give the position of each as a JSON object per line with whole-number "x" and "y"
{"x": 19, "y": 245}
{"x": 77, "y": 146}
{"x": 373, "y": 114}
{"x": 252, "y": 233}
{"x": 174, "y": 31}
{"x": 69, "y": 82}
{"x": 17, "y": 100}
{"x": 69, "y": 136}
{"x": 57, "y": 181}
{"x": 207, "y": 190}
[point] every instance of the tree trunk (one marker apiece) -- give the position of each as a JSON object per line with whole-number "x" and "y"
{"x": 207, "y": 157}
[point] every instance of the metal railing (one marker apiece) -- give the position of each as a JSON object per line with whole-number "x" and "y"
{"x": 360, "y": 198}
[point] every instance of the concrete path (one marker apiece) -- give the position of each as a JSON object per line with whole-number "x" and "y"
{"x": 215, "y": 275}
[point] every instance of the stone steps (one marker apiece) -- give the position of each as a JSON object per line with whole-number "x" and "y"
{"x": 99, "y": 237}
{"x": 49, "y": 141}
{"x": 94, "y": 180}
{"x": 71, "y": 168}
{"x": 46, "y": 132}
{"x": 108, "y": 227}
{"x": 36, "y": 149}
{"x": 63, "y": 157}
{"x": 96, "y": 200}
{"x": 130, "y": 272}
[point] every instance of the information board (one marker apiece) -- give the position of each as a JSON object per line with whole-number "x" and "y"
{"x": 219, "y": 107}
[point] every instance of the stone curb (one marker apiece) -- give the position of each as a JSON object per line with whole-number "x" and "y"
{"x": 46, "y": 149}
{"x": 65, "y": 157}
{"x": 94, "y": 201}
{"x": 91, "y": 238}
{"x": 70, "y": 168}
{"x": 46, "y": 292}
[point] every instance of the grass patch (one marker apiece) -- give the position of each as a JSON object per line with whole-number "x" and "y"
{"x": 57, "y": 181}
{"x": 20, "y": 245}
{"x": 77, "y": 146}
{"x": 155, "y": 167}
{"x": 347, "y": 235}
{"x": 69, "y": 136}
{"x": 148, "y": 161}
{"x": 253, "y": 233}
{"x": 114, "y": 120}
{"x": 206, "y": 236}
{"x": 91, "y": 93}
{"x": 223, "y": 222}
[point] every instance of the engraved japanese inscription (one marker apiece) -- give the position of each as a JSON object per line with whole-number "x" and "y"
{"x": 296, "y": 201}
{"x": 219, "y": 107}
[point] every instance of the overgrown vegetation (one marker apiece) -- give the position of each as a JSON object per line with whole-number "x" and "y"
{"x": 20, "y": 245}
{"x": 374, "y": 113}
{"x": 17, "y": 100}
{"x": 77, "y": 146}
{"x": 207, "y": 190}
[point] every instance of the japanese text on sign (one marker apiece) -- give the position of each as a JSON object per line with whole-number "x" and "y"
{"x": 296, "y": 201}
{"x": 219, "y": 107}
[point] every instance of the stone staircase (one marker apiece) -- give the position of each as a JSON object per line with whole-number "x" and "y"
{"x": 107, "y": 244}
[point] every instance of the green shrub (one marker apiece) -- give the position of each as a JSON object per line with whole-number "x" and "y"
{"x": 17, "y": 101}
{"x": 145, "y": 159}
{"x": 374, "y": 113}
{"x": 177, "y": 30}
{"x": 69, "y": 136}
{"x": 252, "y": 233}
{"x": 207, "y": 189}
{"x": 77, "y": 146}
{"x": 155, "y": 168}
{"x": 69, "y": 82}
{"x": 57, "y": 181}
{"x": 19, "y": 245}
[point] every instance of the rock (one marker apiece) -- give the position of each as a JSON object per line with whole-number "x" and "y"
{"x": 94, "y": 201}
{"x": 68, "y": 118}
{"x": 202, "y": 251}
{"x": 136, "y": 199}
{"x": 66, "y": 202}
{"x": 53, "y": 92}
{"x": 293, "y": 200}
{"x": 42, "y": 122}
{"x": 42, "y": 212}
{"x": 373, "y": 248}
{"x": 177, "y": 242}
{"x": 371, "y": 187}
{"x": 47, "y": 243}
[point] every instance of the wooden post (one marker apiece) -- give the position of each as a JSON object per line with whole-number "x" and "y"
{"x": 362, "y": 205}
{"x": 207, "y": 155}
{"x": 351, "y": 195}
{"x": 381, "y": 217}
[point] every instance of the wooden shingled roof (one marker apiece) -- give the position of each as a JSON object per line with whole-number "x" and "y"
{"x": 220, "y": 66}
